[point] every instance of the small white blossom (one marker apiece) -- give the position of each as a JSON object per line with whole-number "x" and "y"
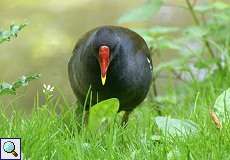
{"x": 47, "y": 88}
{"x": 52, "y": 89}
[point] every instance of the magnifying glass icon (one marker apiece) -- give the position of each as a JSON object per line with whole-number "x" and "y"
{"x": 9, "y": 147}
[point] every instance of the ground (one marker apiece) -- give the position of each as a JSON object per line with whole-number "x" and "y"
{"x": 51, "y": 135}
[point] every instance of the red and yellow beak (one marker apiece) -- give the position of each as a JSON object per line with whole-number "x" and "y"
{"x": 104, "y": 54}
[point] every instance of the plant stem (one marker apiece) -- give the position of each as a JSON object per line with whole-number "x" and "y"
{"x": 156, "y": 108}
{"x": 154, "y": 87}
{"x": 205, "y": 41}
{"x": 195, "y": 18}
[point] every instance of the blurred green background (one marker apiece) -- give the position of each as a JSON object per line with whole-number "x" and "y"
{"x": 46, "y": 44}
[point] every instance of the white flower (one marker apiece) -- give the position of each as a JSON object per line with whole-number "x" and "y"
{"x": 47, "y": 88}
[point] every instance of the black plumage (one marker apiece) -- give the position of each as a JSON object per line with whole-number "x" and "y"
{"x": 129, "y": 71}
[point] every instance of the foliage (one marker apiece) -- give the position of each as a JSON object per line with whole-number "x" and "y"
{"x": 144, "y": 12}
{"x": 176, "y": 127}
{"x": 10, "y": 88}
{"x": 46, "y": 134}
{"x": 203, "y": 46}
{"x": 222, "y": 106}
{"x": 103, "y": 113}
{"x": 212, "y": 6}
{"x": 12, "y": 32}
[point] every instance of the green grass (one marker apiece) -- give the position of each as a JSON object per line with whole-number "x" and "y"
{"x": 52, "y": 131}
{"x": 47, "y": 134}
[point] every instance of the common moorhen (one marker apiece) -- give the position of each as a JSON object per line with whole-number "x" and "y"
{"x": 116, "y": 63}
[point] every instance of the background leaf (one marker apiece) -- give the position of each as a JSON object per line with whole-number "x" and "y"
{"x": 222, "y": 105}
{"x": 13, "y": 32}
{"x": 211, "y": 6}
{"x": 175, "y": 127}
{"x": 143, "y": 13}
{"x": 10, "y": 89}
{"x": 196, "y": 31}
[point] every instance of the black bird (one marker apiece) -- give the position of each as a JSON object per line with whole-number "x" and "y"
{"x": 116, "y": 63}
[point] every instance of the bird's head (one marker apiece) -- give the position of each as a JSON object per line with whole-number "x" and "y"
{"x": 105, "y": 43}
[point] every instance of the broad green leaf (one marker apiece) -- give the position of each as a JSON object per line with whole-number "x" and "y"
{"x": 222, "y": 105}
{"x": 103, "y": 113}
{"x": 143, "y": 13}
{"x": 176, "y": 127}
